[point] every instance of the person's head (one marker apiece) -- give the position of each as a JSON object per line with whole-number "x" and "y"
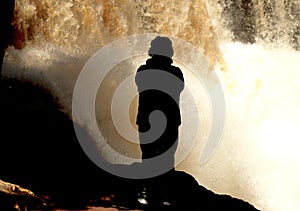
{"x": 161, "y": 46}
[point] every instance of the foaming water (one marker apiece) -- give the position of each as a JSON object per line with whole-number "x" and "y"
{"x": 264, "y": 105}
{"x": 56, "y": 38}
{"x": 258, "y": 158}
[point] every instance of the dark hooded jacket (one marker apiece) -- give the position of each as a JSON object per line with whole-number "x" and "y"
{"x": 159, "y": 84}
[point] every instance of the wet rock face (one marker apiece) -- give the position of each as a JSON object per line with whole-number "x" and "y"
{"x": 41, "y": 152}
{"x": 14, "y": 197}
{"x": 41, "y": 149}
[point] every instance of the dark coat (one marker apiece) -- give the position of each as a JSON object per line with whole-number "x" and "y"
{"x": 159, "y": 84}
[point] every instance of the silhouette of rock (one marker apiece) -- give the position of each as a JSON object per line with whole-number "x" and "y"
{"x": 40, "y": 152}
{"x": 13, "y": 197}
{"x": 174, "y": 190}
{"x": 6, "y": 17}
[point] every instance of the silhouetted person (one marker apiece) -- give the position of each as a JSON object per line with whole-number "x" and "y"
{"x": 159, "y": 85}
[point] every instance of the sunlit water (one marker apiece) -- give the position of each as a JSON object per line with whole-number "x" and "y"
{"x": 258, "y": 157}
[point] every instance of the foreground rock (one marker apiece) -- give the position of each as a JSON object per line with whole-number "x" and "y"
{"x": 42, "y": 155}
{"x": 174, "y": 190}
{"x": 14, "y": 197}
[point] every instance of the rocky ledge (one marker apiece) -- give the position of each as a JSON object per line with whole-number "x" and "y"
{"x": 40, "y": 153}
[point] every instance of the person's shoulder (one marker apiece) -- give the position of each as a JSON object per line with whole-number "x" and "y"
{"x": 176, "y": 69}
{"x": 177, "y": 72}
{"x": 142, "y": 67}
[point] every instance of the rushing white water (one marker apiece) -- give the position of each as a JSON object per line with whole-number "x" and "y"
{"x": 258, "y": 157}
{"x": 266, "y": 83}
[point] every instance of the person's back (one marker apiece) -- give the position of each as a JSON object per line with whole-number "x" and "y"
{"x": 159, "y": 85}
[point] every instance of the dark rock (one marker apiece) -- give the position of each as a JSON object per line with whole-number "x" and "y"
{"x": 14, "y": 197}
{"x": 40, "y": 152}
{"x": 6, "y": 28}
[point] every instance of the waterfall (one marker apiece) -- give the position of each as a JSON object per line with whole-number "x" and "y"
{"x": 251, "y": 45}
{"x": 81, "y": 27}
{"x": 276, "y": 22}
